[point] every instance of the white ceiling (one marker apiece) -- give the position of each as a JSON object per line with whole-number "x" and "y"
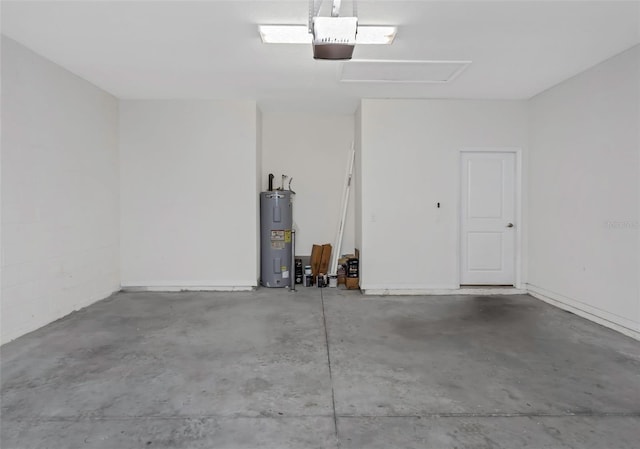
{"x": 212, "y": 49}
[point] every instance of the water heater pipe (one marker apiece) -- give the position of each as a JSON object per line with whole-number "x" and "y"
{"x": 292, "y": 274}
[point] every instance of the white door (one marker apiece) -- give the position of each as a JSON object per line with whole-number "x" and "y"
{"x": 488, "y": 218}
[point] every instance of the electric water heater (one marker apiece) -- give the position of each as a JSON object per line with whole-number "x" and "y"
{"x": 276, "y": 220}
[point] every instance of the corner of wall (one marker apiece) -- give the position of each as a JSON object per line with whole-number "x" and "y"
{"x": 259, "y": 125}
{"x": 583, "y": 254}
{"x": 60, "y": 204}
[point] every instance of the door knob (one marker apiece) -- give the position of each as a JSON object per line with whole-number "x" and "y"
{"x": 509, "y": 225}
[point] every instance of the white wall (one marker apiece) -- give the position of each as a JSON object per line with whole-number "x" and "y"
{"x": 313, "y": 149}
{"x": 188, "y": 193}
{"x": 357, "y": 180}
{"x": 258, "y": 184}
{"x": 59, "y": 192}
{"x": 584, "y": 191}
{"x": 409, "y": 162}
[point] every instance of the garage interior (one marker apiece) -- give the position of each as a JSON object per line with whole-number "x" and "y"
{"x": 494, "y": 209}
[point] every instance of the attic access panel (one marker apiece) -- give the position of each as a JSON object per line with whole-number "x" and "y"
{"x": 386, "y": 71}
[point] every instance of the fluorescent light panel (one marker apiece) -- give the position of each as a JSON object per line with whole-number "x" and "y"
{"x": 376, "y": 35}
{"x": 285, "y": 34}
{"x": 299, "y": 34}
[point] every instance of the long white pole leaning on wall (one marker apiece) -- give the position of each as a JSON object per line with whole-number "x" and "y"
{"x": 345, "y": 203}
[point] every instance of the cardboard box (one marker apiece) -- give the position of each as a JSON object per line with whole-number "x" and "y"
{"x": 316, "y": 255}
{"x": 353, "y": 283}
{"x": 345, "y": 257}
{"x": 325, "y": 259}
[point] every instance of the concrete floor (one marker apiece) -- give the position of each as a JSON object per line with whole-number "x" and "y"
{"x": 320, "y": 368}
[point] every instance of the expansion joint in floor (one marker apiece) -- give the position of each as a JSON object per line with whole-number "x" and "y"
{"x": 326, "y": 339}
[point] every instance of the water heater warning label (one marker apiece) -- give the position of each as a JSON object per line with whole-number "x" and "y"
{"x": 287, "y": 236}
{"x": 278, "y": 239}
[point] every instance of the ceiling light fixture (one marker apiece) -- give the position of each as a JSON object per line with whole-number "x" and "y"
{"x": 299, "y": 34}
{"x": 376, "y": 35}
{"x": 285, "y": 34}
{"x": 333, "y": 37}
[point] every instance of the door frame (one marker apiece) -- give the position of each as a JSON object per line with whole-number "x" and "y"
{"x": 519, "y": 228}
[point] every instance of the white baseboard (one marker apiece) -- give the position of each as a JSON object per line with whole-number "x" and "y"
{"x": 198, "y": 286}
{"x": 442, "y": 291}
{"x": 406, "y": 287}
{"x": 617, "y": 323}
